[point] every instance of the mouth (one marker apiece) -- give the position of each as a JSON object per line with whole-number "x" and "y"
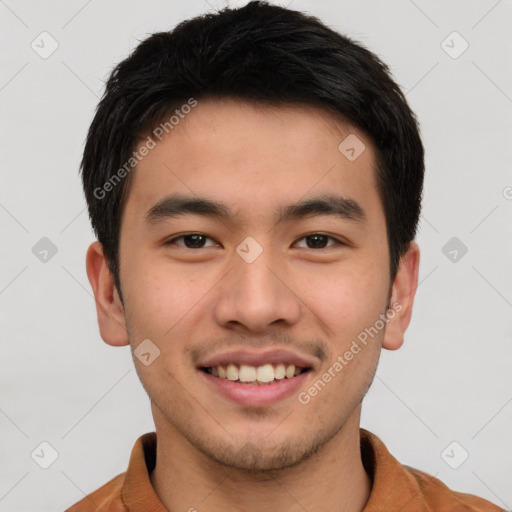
{"x": 262, "y": 375}
{"x": 263, "y": 383}
{"x": 256, "y": 378}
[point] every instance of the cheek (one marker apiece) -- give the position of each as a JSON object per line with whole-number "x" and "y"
{"x": 346, "y": 298}
{"x": 156, "y": 299}
{"x": 166, "y": 299}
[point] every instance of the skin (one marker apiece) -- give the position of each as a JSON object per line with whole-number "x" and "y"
{"x": 213, "y": 454}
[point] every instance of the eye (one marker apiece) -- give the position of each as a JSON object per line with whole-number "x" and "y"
{"x": 319, "y": 241}
{"x": 191, "y": 241}
{"x": 198, "y": 241}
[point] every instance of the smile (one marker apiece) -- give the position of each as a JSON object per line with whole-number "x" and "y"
{"x": 260, "y": 375}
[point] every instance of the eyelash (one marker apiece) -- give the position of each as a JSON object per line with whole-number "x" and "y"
{"x": 172, "y": 240}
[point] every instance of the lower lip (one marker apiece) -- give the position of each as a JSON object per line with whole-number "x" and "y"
{"x": 255, "y": 395}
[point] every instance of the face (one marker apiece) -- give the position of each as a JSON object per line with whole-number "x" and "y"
{"x": 224, "y": 276}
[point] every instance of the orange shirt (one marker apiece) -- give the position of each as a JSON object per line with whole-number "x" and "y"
{"x": 395, "y": 488}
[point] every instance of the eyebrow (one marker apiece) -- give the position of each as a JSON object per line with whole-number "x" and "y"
{"x": 176, "y": 205}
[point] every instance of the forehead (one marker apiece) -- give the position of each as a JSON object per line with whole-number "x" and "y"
{"x": 256, "y": 158}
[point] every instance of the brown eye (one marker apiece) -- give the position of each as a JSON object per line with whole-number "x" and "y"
{"x": 319, "y": 241}
{"x": 191, "y": 241}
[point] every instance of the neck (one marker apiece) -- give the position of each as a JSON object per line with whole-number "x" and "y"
{"x": 333, "y": 479}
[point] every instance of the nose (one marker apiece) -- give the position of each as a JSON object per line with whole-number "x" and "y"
{"x": 256, "y": 296}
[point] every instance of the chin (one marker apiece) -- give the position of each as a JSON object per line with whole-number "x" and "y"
{"x": 255, "y": 458}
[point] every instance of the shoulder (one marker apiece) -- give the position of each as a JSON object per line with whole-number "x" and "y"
{"x": 397, "y": 486}
{"x": 441, "y": 498}
{"x": 132, "y": 486}
{"x": 105, "y": 499}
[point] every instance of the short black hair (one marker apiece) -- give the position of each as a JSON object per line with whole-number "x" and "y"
{"x": 259, "y": 53}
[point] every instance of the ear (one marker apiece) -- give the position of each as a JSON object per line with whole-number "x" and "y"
{"x": 402, "y": 298}
{"x": 110, "y": 311}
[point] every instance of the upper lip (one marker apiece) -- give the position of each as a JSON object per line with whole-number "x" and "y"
{"x": 258, "y": 358}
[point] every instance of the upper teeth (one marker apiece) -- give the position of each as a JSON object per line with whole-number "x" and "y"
{"x": 262, "y": 374}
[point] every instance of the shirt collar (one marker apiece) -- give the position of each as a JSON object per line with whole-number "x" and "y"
{"x": 393, "y": 488}
{"x": 138, "y": 493}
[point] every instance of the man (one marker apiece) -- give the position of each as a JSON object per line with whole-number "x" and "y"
{"x": 255, "y": 180}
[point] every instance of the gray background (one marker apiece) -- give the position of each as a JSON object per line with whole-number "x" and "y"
{"x": 60, "y": 383}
